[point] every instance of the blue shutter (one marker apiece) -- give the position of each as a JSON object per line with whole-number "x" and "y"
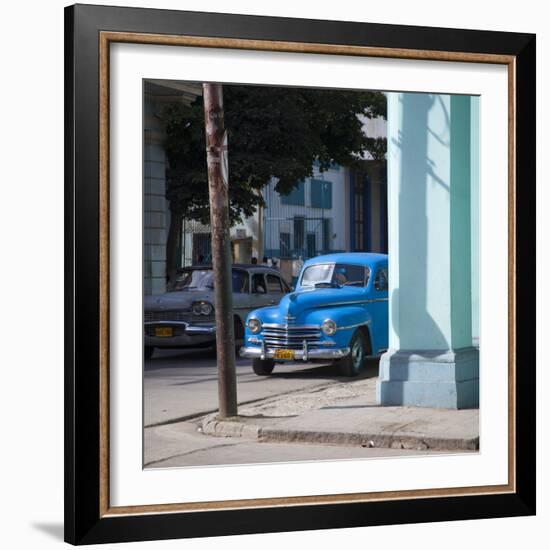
{"x": 321, "y": 194}
{"x": 296, "y": 197}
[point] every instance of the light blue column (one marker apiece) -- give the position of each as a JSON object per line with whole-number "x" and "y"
{"x": 475, "y": 190}
{"x": 431, "y": 361}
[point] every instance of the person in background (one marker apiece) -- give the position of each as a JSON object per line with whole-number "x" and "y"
{"x": 274, "y": 263}
{"x": 254, "y": 260}
{"x": 265, "y": 261}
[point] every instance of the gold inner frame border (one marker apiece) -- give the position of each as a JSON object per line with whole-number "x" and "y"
{"x": 108, "y": 37}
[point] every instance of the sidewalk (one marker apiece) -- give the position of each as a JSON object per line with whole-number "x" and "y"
{"x": 347, "y": 414}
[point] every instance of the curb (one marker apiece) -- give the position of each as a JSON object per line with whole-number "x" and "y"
{"x": 237, "y": 427}
{"x": 232, "y": 427}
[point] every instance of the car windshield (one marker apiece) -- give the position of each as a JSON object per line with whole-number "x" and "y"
{"x": 203, "y": 279}
{"x": 194, "y": 279}
{"x": 333, "y": 275}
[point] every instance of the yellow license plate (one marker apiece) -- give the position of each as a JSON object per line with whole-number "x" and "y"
{"x": 163, "y": 332}
{"x": 284, "y": 354}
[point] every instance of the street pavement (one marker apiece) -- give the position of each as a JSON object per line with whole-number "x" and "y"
{"x": 183, "y": 384}
{"x": 299, "y": 413}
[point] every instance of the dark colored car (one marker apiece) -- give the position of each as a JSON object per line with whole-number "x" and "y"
{"x": 184, "y": 316}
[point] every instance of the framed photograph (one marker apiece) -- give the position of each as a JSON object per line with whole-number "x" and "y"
{"x": 300, "y": 274}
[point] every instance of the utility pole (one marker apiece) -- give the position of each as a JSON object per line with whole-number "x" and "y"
{"x": 218, "y": 183}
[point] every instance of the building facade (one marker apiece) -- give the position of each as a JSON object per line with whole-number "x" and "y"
{"x": 340, "y": 209}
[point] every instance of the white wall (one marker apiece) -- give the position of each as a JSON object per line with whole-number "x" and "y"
{"x": 31, "y": 461}
{"x": 156, "y": 213}
{"x": 278, "y": 216}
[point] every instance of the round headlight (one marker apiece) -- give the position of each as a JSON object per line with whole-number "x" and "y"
{"x": 202, "y": 308}
{"x": 328, "y": 327}
{"x": 254, "y": 325}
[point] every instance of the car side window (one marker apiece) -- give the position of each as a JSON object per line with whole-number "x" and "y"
{"x": 381, "y": 280}
{"x": 258, "y": 283}
{"x": 246, "y": 285}
{"x": 367, "y": 275}
{"x": 273, "y": 284}
{"x": 240, "y": 282}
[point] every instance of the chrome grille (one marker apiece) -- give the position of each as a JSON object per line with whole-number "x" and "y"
{"x": 291, "y": 337}
{"x": 166, "y": 315}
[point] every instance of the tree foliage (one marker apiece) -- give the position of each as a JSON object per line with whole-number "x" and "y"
{"x": 272, "y": 133}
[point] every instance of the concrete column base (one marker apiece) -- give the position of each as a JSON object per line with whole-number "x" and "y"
{"x": 429, "y": 378}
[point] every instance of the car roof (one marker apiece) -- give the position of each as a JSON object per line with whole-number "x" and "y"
{"x": 248, "y": 267}
{"x": 371, "y": 259}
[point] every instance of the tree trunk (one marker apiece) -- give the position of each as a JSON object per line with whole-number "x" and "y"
{"x": 172, "y": 246}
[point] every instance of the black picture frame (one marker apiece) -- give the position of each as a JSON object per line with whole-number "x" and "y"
{"x": 84, "y": 521}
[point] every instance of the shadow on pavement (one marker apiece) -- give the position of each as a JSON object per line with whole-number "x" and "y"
{"x": 177, "y": 358}
{"x": 328, "y": 371}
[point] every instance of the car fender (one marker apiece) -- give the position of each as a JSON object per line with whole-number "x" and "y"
{"x": 347, "y": 318}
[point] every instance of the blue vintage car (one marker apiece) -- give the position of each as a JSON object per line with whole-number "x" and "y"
{"x": 339, "y": 312}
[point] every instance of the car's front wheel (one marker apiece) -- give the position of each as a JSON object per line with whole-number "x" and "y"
{"x": 352, "y": 364}
{"x": 263, "y": 367}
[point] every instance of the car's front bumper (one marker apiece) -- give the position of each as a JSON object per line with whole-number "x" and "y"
{"x": 185, "y": 334}
{"x": 303, "y": 354}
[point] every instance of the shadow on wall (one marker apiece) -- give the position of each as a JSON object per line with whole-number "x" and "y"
{"x": 413, "y": 246}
